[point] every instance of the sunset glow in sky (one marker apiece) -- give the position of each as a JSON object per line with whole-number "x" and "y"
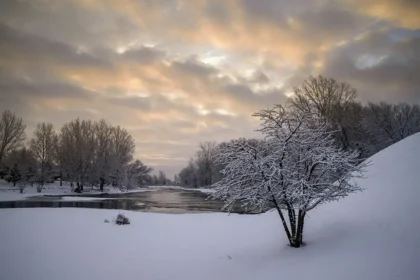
{"x": 175, "y": 73}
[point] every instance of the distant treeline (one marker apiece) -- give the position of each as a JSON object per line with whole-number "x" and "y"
{"x": 82, "y": 152}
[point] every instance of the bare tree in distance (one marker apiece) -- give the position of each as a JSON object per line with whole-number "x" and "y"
{"x": 188, "y": 176}
{"x": 205, "y": 162}
{"x": 137, "y": 172}
{"x": 389, "y": 123}
{"x": 12, "y": 133}
{"x": 77, "y": 138}
{"x": 123, "y": 147}
{"x": 43, "y": 145}
{"x": 103, "y": 154}
{"x": 163, "y": 180}
{"x": 334, "y": 103}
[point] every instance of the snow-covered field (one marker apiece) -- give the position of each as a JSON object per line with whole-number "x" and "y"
{"x": 10, "y": 193}
{"x": 203, "y": 190}
{"x": 370, "y": 235}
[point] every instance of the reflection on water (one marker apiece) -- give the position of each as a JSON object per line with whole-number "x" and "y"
{"x": 160, "y": 201}
{"x": 57, "y": 203}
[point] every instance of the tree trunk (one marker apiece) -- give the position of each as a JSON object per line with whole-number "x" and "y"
{"x": 14, "y": 183}
{"x": 292, "y": 219}
{"x": 61, "y": 178}
{"x": 102, "y": 183}
{"x": 79, "y": 188}
{"x": 298, "y": 238}
{"x": 286, "y": 228}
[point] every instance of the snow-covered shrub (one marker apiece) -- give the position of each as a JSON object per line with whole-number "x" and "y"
{"x": 296, "y": 168}
{"x": 122, "y": 220}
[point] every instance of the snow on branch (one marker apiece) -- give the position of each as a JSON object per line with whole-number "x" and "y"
{"x": 297, "y": 165}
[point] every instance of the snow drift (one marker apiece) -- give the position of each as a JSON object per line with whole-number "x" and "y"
{"x": 374, "y": 234}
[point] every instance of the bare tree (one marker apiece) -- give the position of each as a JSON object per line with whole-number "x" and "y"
{"x": 296, "y": 168}
{"x": 333, "y": 103}
{"x": 162, "y": 178}
{"x": 389, "y": 123}
{"x": 103, "y": 152}
{"x": 12, "y": 133}
{"x": 78, "y": 146}
{"x": 122, "y": 151}
{"x": 205, "y": 162}
{"x": 188, "y": 176}
{"x": 43, "y": 145}
{"x": 137, "y": 172}
{"x": 202, "y": 170}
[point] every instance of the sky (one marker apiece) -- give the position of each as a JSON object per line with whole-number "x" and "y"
{"x": 175, "y": 73}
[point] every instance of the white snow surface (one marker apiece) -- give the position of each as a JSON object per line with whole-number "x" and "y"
{"x": 80, "y": 198}
{"x": 203, "y": 190}
{"x": 369, "y": 235}
{"x": 9, "y": 193}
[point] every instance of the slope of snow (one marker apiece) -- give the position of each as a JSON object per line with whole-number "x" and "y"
{"x": 369, "y": 235}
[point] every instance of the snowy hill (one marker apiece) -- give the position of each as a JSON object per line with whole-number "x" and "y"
{"x": 370, "y": 235}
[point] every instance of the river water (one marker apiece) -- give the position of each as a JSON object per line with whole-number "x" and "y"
{"x": 157, "y": 201}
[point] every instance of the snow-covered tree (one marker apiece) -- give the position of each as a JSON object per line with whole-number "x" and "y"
{"x": 293, "y": 170}
{"x": 12, "y": 133}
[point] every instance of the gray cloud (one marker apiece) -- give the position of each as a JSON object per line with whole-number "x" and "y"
{"x": 69, "y": 22}
{"x": 144, "y": 55}
{"x": 193, "y": 67}
{"x": 24, "y": 46}
{"x": 35, "y": 90}
{"x": 380, "y": 67}
{"x": 59, "y": 62}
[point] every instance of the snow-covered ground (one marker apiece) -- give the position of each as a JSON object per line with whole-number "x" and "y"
{"x": 10, "y": 193}
{"x": 203, "y": 190}
{"x": 369, "y": 235}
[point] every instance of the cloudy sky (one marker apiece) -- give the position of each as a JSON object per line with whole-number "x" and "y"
{"x": 175, "y": 73}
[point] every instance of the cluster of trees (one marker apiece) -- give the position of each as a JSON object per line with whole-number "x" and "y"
{"x": 310, "y": 151}
{"x": 366, "y": 128}
{"x": 202, "y": 170}
{"x": 82, "y": 152}
{"x": 159, "y": 180}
